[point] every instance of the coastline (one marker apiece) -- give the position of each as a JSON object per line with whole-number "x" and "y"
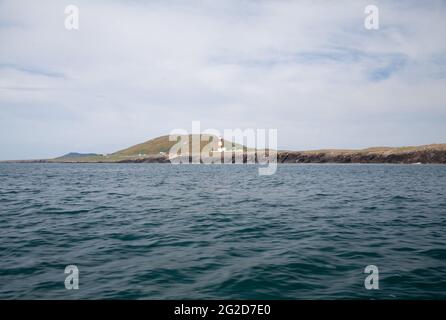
{"x": 432, "y": 154}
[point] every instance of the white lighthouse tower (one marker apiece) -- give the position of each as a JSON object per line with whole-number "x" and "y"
{"x": 220, "y": 145}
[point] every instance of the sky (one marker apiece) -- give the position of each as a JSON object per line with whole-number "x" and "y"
{"x": 136, "y": 70}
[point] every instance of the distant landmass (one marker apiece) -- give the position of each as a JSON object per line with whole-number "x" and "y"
{"x": 78, "y": 155}
{"x": 156, "y": 151}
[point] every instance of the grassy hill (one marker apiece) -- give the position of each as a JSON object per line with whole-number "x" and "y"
{"x": 150, "y": 149}
{"x": 162, "y": 144}
{"x": 157, "y": 149}
{"x": 78, "y": 155}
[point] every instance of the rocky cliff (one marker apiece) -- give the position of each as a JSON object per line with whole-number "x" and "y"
{"x": 434, "y": 153}
{"x": 422, "y": 154}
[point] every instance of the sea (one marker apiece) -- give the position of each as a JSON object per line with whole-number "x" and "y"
{"x": 164, "y": 231}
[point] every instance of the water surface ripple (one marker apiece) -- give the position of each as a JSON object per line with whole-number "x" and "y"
{"x": 157, "y": 231}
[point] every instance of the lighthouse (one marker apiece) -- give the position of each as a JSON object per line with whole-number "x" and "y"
{"x": 220, "y": 145}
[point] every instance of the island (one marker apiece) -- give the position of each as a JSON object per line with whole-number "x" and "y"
{"x": 157, "y": 151}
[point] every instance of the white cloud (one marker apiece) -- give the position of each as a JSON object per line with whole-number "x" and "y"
{"x": 136, "y": 70}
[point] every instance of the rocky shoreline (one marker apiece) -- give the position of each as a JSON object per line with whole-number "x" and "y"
{"x": 426, "y": 156}
{"x": 414, "y": 155}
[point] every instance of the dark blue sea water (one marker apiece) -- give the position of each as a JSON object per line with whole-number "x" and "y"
{"x": 156, "y": 231}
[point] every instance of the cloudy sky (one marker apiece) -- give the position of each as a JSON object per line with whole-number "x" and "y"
{"x": 139, "y": 69}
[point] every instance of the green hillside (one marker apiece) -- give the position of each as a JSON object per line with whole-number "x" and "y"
{"x": 162, "y": 144}
{"x": 151, "y": 148}
{"x": 157, "y": 150}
